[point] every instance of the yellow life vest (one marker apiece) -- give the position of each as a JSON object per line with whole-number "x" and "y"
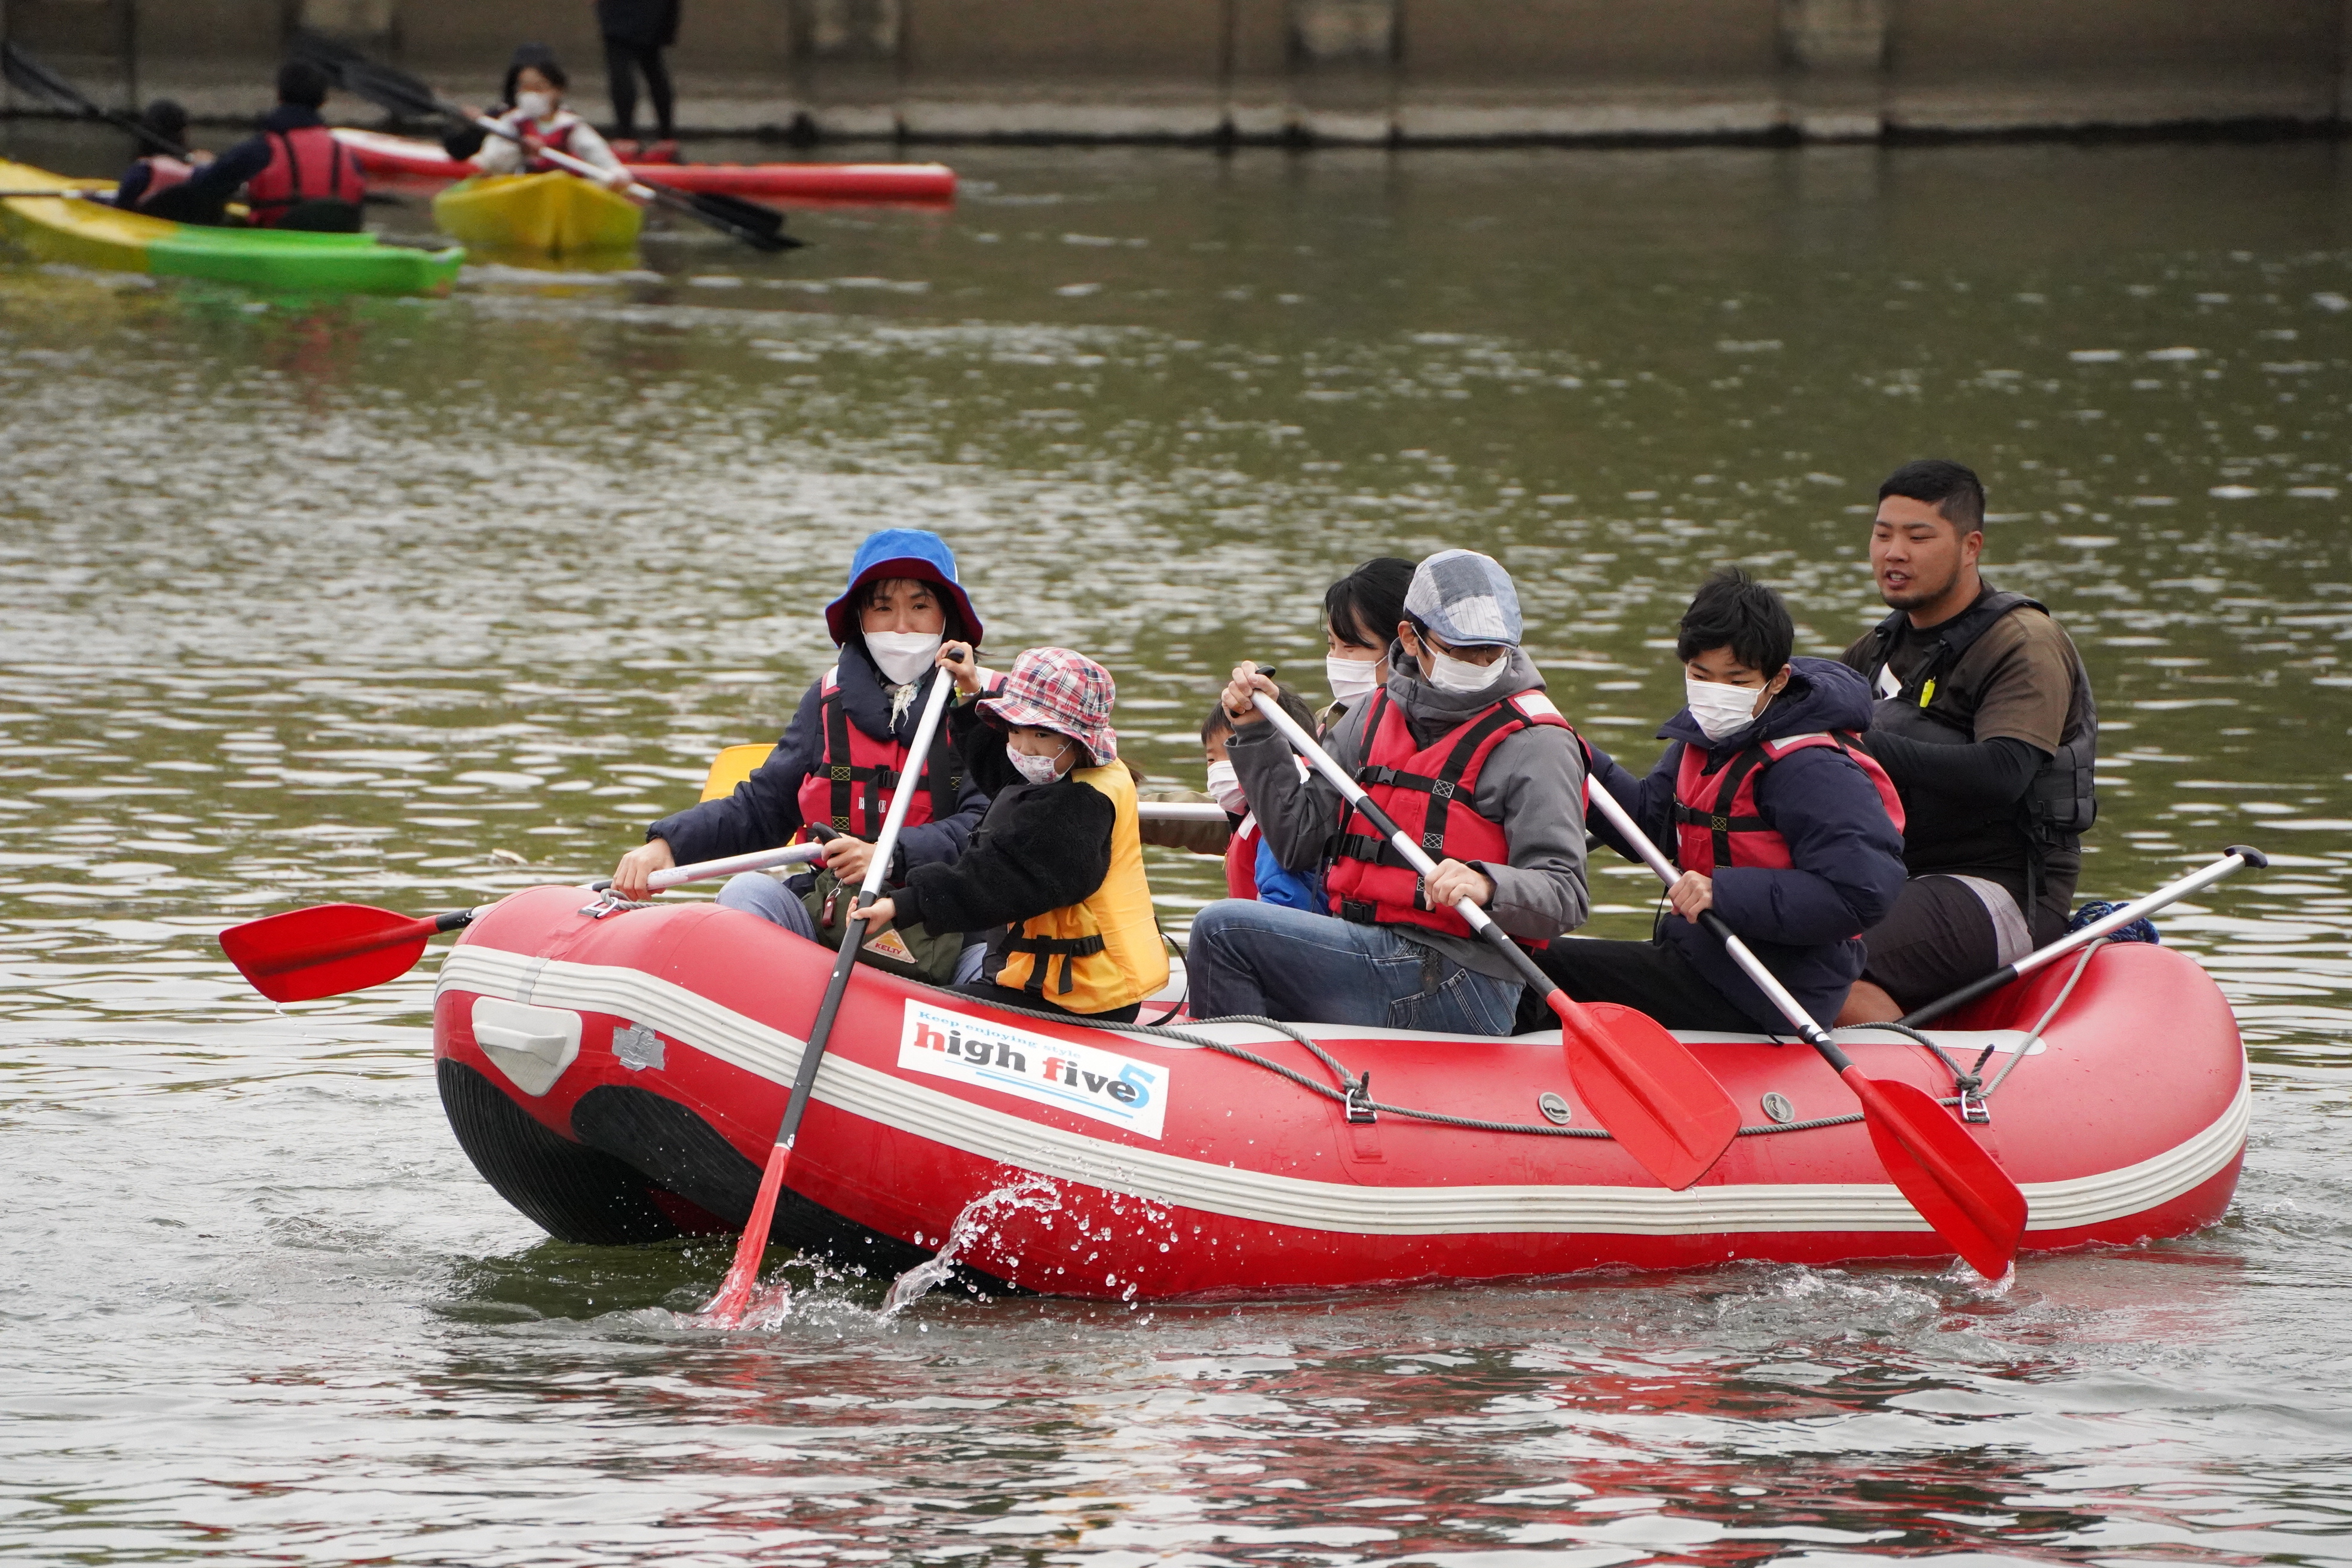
{"x": 1105, "y": 951}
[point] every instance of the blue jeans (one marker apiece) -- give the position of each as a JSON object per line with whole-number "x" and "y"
{"x": 757, "y": 893}
{"x": 1287, "y": 963}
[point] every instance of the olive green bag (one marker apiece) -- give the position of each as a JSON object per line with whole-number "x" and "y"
{"x": 914, "y": 953}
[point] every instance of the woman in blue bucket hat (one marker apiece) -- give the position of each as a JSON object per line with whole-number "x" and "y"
{"x": 831, "y": 775}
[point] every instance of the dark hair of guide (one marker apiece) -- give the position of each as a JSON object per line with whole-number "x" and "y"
{"x": 1733, "y": 610}
{"x": 1956, "y": 493}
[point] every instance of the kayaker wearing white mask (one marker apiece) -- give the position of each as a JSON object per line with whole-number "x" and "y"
{"x": 843, "y": 757}
{"x": 539, "y": 118}
{"x": 1361, "y": 612}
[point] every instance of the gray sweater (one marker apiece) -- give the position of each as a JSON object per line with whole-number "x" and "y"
{"x": 1533, "y": 785}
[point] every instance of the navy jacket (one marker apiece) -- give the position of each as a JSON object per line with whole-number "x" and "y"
{"x": 215, "y": 185}
{"x": 765, "y": 810}
{"x": 1804, "y": 922}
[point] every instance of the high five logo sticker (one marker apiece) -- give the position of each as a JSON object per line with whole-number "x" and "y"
{"x": 1099, "y": 1084}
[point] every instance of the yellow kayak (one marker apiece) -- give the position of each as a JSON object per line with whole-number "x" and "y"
{"x": 92, "y": 234}
{"x": 552, "y": 214}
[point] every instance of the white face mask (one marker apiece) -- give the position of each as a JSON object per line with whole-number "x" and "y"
{"x": 1720, "y": 710}
{"x": 1036, "y": 770}
{"x": 1352, "y": 677}
{"x": 903, "y": 656}
{"x": 1225, "y": 788}
{"x": 535, "y": 105}
{"x": 1450, "y": 674}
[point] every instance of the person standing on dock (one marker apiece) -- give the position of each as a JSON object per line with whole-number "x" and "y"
{"x": 1986, "y": 724}
{"x": 635, "y": 33}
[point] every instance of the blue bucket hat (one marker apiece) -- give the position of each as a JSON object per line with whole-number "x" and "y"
{"x": 1466, "y": 598}
{"x": 902, "y": 552}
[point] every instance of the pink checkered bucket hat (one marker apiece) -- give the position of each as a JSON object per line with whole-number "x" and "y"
{"x": 1055, "y": 689}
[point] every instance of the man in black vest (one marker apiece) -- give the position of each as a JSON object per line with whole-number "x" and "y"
{"x": 1985, "y": 722}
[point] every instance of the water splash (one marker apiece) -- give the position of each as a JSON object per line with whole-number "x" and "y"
{"x": 1032, "y": 1193}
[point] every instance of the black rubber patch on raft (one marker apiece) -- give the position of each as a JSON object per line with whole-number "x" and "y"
{"x": 572, "y": 1192}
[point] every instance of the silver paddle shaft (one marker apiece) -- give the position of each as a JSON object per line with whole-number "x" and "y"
{"x": 728, "y": 866}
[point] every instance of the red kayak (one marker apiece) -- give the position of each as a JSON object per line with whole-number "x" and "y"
{"x": 619, "y": 1079}
{"x": 865, "y": 185}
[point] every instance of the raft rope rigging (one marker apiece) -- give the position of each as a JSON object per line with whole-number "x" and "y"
{"x": 1354, "y": 1090}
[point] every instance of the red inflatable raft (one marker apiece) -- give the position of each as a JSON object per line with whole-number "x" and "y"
{"x": 862, "y": 185}
{"x": 619, "y": 1079}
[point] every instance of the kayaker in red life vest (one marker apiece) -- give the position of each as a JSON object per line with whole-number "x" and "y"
{"x": 537, "y": 90}
{"x": 1985, "y": 721}
{"x": 294, "y": 173}
{"x": 1464, "y": 709}
{"x": 1780, "y": 823}
{"x": 903, "y": 601}
{"x": 151, "y": 175}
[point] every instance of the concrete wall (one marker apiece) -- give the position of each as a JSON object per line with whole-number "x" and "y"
{"x": 1330, "y": 70}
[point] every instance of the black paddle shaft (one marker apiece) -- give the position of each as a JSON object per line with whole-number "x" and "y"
{"x": 28, "y": 75}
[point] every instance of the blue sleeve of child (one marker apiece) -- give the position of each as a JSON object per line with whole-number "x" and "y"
{"x": 1278, "y": 885}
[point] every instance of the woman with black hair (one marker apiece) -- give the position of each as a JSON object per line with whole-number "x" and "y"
{"x": 1361, "y": 612}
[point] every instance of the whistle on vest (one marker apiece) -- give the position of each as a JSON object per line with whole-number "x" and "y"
{"x": 1928, "y": 691}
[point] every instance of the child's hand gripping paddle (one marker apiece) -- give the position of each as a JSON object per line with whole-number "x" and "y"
{"x": 1956, "y": 1187}
{"x": 1642, "y": 1084}
{"x": 330, "y": 949}
{"x": 726, "y": 1308}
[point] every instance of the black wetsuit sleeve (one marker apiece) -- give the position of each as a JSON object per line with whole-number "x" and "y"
{"x": 1986, "y": 775}
{"x": 467, "y": 140}
{"x": 133, "y": 184}
{"x": 219, "y": 179}
{"x": 1043, "y": 847}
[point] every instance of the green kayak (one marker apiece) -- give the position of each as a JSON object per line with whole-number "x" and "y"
{"x": 92, "y": 234}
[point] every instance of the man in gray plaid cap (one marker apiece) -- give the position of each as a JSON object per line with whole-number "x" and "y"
{"x": 1466, "y": 752}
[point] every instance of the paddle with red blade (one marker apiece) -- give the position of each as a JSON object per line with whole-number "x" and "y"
{"x": 727, "y": 1307}
{"x": 330, "y": 949}
{"x": 1642, "y": 1084}
{"x": 1957, "y": 1187}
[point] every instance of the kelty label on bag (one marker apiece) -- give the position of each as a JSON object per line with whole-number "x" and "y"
{"x": 1101, "y": 1084}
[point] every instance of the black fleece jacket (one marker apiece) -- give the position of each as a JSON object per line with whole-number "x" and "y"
{"x": 1040, "y": 848}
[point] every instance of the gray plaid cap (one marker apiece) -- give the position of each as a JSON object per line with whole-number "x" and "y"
{"x": 1466, "y": 598}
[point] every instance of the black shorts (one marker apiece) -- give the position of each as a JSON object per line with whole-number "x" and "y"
{"x": 1647, "y": 975}
{"x": 1944, "y": 933}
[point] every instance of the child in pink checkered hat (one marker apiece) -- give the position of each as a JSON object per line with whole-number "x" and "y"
{"x": 1055, "y": 875}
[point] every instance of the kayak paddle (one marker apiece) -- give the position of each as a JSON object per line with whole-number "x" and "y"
{"x": 2234, "y": 856}
{"x": 1958, "y": 1188}
{"x": 1642, "y": 1084}
{"x": 28, "y": 76}
{"x": 330, "y": 949}
{"x": 726, "y": 1308}
{"x": 404, "y": 95}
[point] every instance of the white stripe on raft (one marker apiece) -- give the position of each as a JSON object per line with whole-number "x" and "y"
{"x": 946, "y": 1119}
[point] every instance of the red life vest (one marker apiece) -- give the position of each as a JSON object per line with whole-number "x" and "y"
{"x": 305, "y": 165}
{"x": 849, "y": 791}
{"x": 1241, "y": 861}
{"x": 1716, "y": 823}
{"x": 163, "y": 171}
{"x": 1427, "y": 790}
